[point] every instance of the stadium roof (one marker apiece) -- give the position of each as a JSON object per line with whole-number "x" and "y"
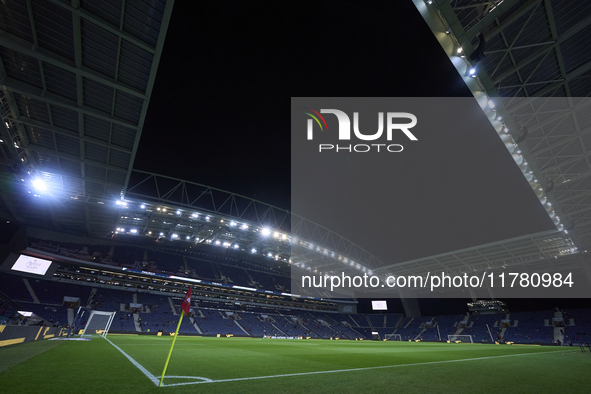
{"x": 75, "y": 82}
{"x": 528, "y": 65}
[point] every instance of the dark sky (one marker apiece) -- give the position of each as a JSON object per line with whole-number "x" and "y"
{"x": 219, "y": 112}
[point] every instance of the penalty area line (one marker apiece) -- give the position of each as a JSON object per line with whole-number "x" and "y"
{"x": 353, "y": 369}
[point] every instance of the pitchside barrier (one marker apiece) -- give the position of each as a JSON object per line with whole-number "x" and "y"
{"x": 10, "y": 335}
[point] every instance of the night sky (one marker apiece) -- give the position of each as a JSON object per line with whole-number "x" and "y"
{"x": 219, "y": 114}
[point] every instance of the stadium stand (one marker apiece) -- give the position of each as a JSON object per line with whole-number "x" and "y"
{"x": 104, "y": 289}
{"x": 530, "y": 327}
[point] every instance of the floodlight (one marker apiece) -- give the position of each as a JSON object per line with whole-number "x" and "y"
{"x": 491, "y": 104}
{"x": 39, "y": 184}
{"x": 266, "y": 232}
{"x": 232, "y": 223}
{"x": 236, "y": 246}
{"x": 133, "y": 231}
{"x": 178, "y": 212}
{"x": 175, "y": 236}
{"x": 244, "y": 227}
{"x": 253, "y": 250}
{"x": 143, "y": 206}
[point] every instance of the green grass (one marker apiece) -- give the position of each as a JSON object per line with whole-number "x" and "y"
{"x": 382, "y": 367}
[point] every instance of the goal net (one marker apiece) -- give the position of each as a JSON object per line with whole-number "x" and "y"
{"x": 460, "y": 339}
{"x": 98, "y": 323}
{"x": 393, "y": 337}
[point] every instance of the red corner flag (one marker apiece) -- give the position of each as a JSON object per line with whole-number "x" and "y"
{"x": 186, "y": 304}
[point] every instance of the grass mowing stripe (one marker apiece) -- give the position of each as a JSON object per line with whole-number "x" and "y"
{"x": 16, "y": 354}
{"x": 137, "y": 365}
{"x": 346, "y": 370}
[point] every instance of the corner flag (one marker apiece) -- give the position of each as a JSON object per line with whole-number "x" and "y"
{"x": 186, "y": 306}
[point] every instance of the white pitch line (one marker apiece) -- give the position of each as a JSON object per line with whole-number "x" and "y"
{"x": 352, "y": 369}
{"x": 138, "y": 365}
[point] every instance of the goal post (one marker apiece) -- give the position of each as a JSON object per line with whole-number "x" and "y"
{"x": 99, "y": 323}
{"x": 459, "y": 339}
{"x": 393, "y": 337}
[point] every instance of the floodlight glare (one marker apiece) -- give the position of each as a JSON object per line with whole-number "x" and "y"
{"x": 232, "y": 223}
{"x": 143, "y": 206}
{"x": 266, "y": 232}
{"x": 253, "y": 250}
{"x": 460, "y": 50}
{"x": 175, "y": 236}
{"x": 133, "y": 231}
{"x": 178, "y": 212}
{"x": 472, "y": 71}
{"x": 39, "y": 184}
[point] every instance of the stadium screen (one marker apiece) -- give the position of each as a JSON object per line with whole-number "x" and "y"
{"x": 26, "y": 313}
{"x": 31, "y": 265}
{"x": 379, "y": 305}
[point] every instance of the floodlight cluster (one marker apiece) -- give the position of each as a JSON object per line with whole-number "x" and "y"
{"x": 223, "y": 238}
{"x": 492, "y": 109}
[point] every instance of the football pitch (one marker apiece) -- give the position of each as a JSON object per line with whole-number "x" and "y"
{"x": 131, "y": 363}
